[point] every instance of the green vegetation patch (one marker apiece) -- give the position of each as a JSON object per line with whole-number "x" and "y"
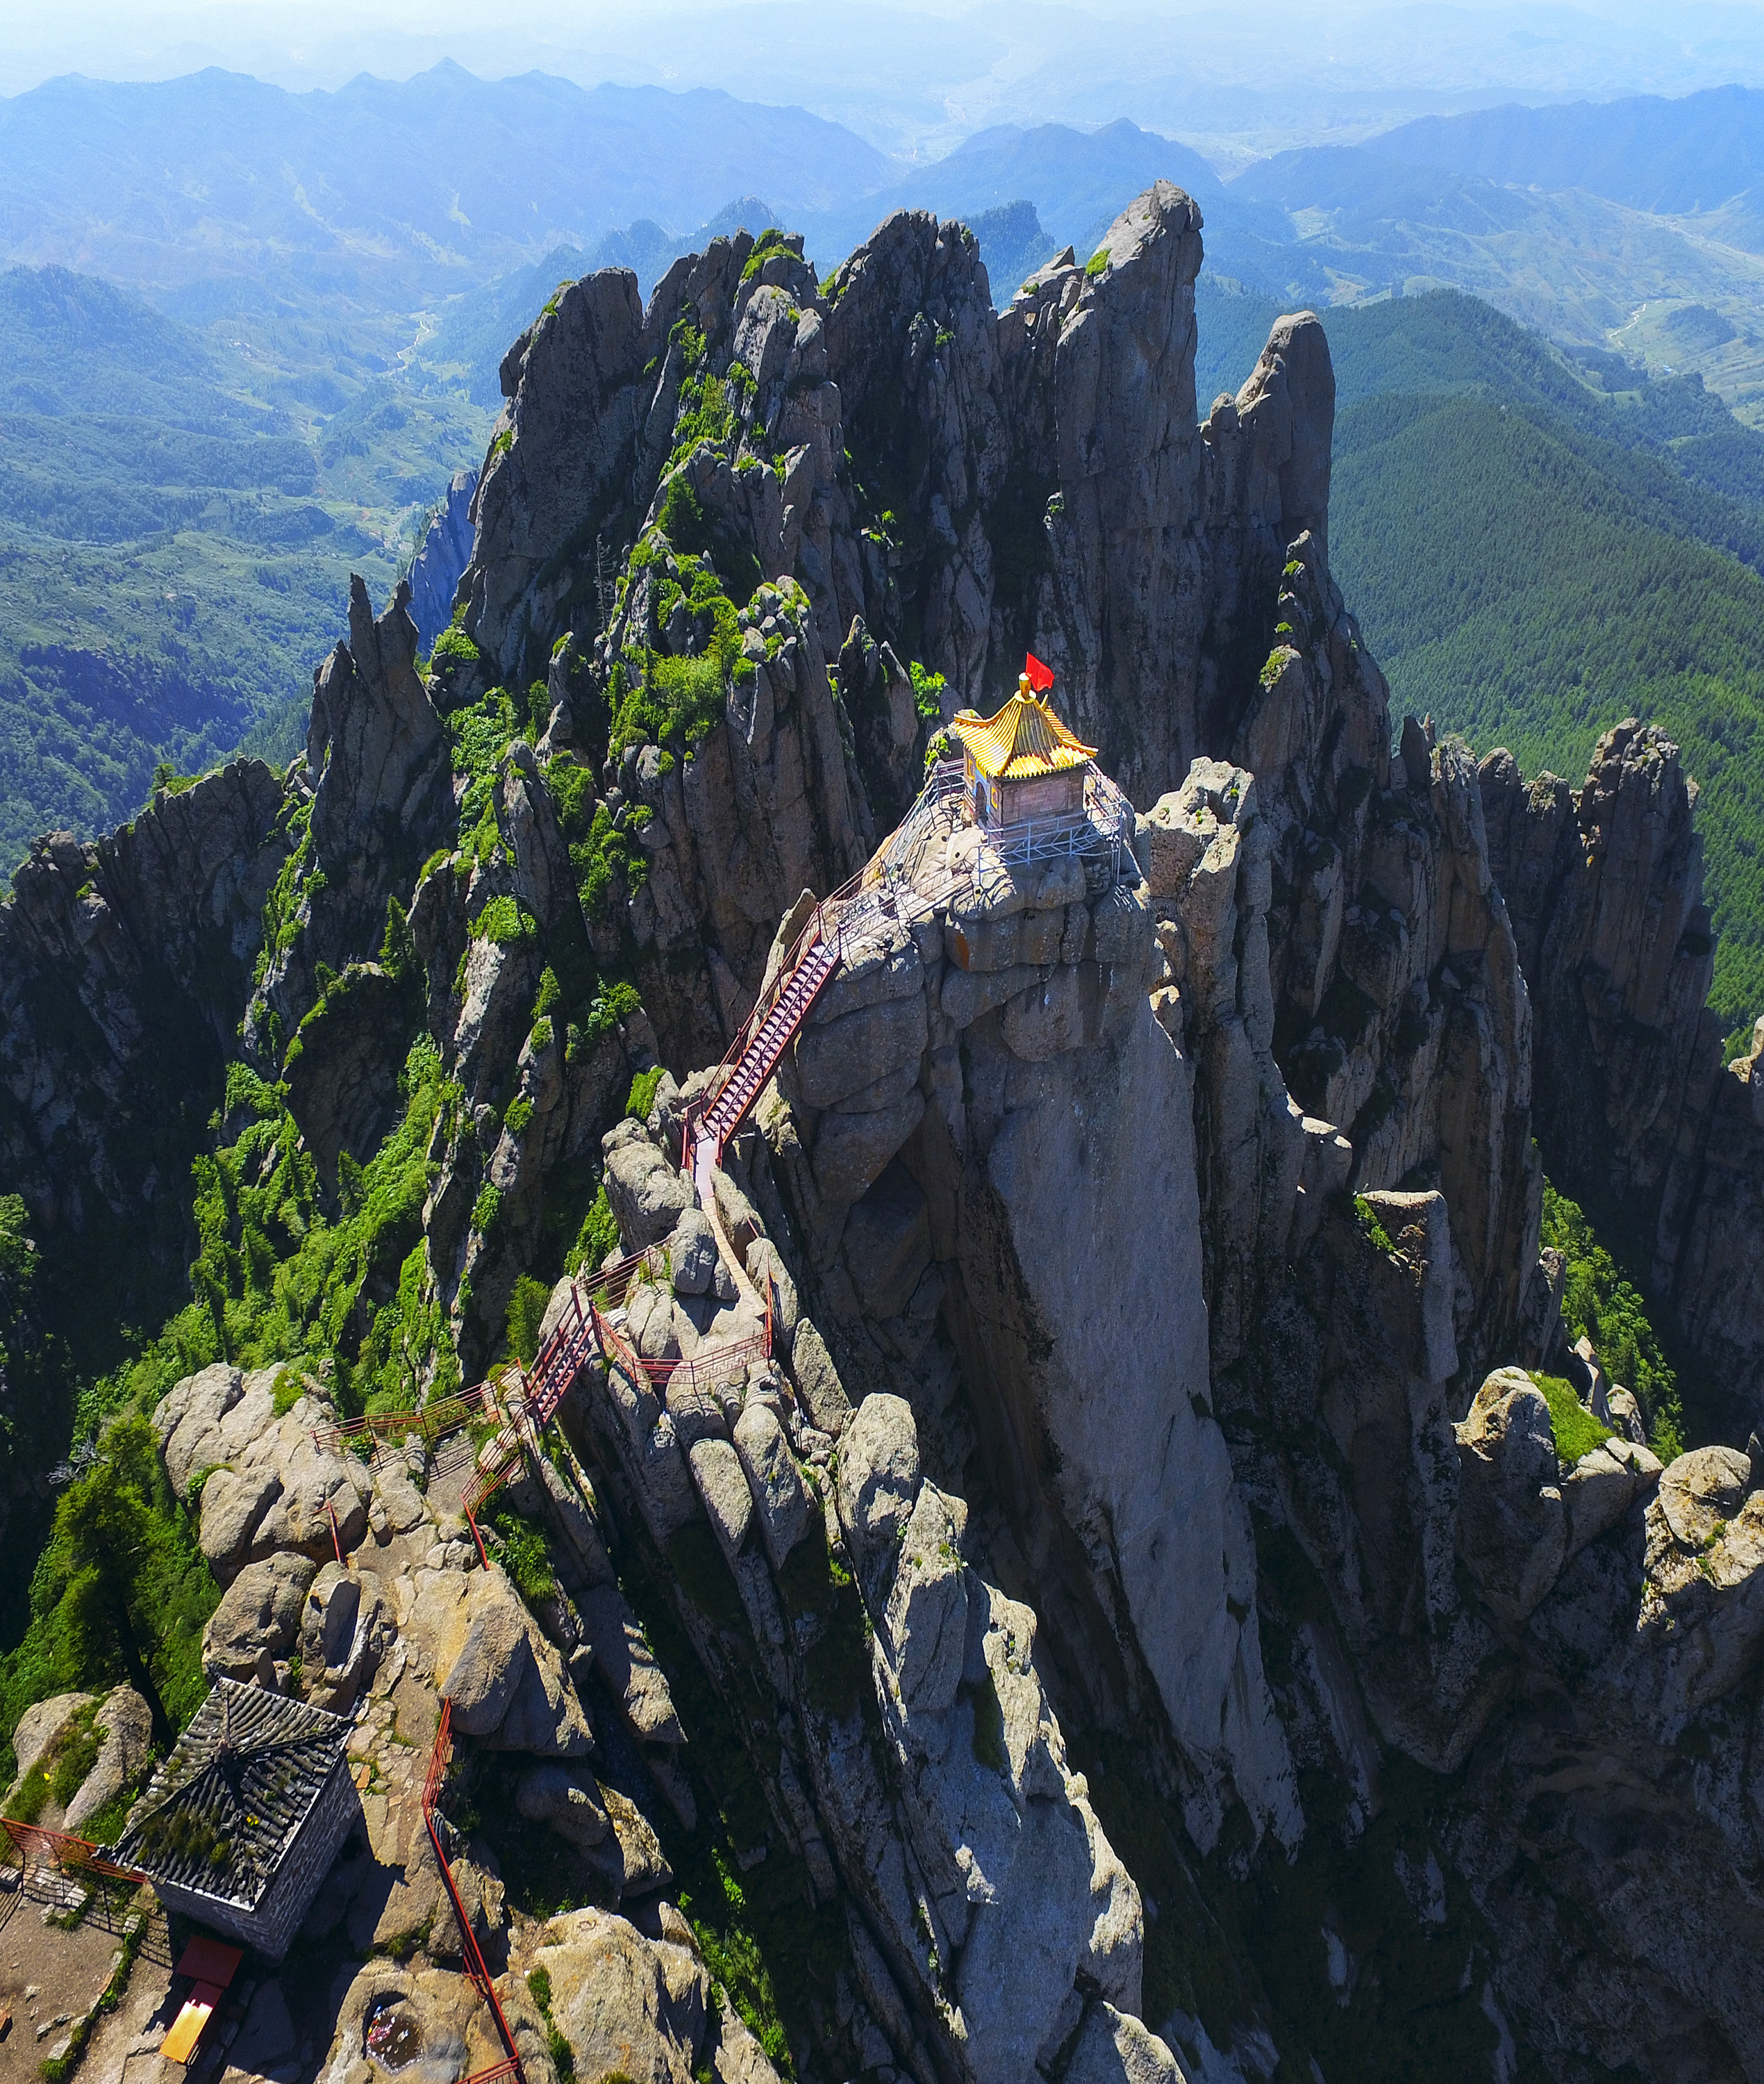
{"x": 538, "y": 1984}
{"x": 603, "y": 853}
{"x": 598, "y": 1238}
{"x": 769, "y": 242}
{"x": 120, "y": 1592}
{"x": 1568, "y": 602}
{"x": 927, "y": 692}
{"x": 524, "y": 1553}
{"x": 1599, "y": 1304}
{"x": 643, "y": 1089}
{"x": 1577, "y": 1432}
{"x": 526, "y": 1314}
{"x": 274, "y": 1280}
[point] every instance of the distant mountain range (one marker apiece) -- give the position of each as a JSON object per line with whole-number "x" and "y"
{"x": 387, "y": 191}
{"x": 1694, "y": 156}
{"x": 311, "y": 294}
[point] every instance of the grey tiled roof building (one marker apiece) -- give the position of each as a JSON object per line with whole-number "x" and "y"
{"x": 241, "y": 1823}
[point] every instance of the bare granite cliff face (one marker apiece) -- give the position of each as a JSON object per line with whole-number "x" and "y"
{"x": 122, "y": 963}
{"x": 1636, "y": 1116}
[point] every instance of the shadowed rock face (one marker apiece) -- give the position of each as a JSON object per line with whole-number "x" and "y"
{"x": 1637, "y": 1118}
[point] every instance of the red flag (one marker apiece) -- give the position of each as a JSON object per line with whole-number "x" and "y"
{"x": 1041, "y": 677}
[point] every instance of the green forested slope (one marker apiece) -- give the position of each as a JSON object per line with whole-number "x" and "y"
{"x": 181, "y": 510}
{"x": 1510, "y": 589}
{"x": 1534, "y": 554}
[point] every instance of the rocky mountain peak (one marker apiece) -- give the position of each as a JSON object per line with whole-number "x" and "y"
{"x": 1076, "y": 1497}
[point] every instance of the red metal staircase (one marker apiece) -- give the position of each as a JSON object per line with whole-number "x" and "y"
{"x": 765, "y": 1046}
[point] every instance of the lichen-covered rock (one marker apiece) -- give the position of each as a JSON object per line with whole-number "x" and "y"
{"x": 1114, "y": 2048}
{"x": 691, "y": 1253}
{"x": 722, "y": 1484}
{"x": 1701, "y": 1491}
{"x": 625, "y": 1661}
{"x": 1596, "y": 1493}
{"x": 492, "y": 1663}
{"x": 613, "y": 2001}
{"x": 41, "y": 1723}
{"x": 234, "y": 1505}
{"x": 646, "y": 1192}
{"x": 926, "y": 1620}
{"x": 818, "y": 1380}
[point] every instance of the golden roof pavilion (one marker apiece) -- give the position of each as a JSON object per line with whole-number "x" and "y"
{"x": 1023, "y": 741}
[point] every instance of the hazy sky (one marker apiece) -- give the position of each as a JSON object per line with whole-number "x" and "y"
{"x": 914, "y": 77}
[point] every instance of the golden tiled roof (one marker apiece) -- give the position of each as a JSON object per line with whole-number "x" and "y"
{"x": 1024, "y": 740}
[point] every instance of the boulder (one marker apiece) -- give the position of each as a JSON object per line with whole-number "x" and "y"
{"x": 258, "y": 1618}
{"x": 643, "y": 1866}
{"x": 251, "y": 1417}
{"x": 234, "y": 1504}
{"x": 343, "y": 1631}
{"x": 1597, "y": 1492}
{"x": 696, "y": 1410}
{"x": 647, "y": 1193}
{"x": 651, "y": 1323}
{"x": 404, "y": 1504}
{"x": 544, "y": 1716}
{"x": 188, "y": 1422}
{"x": 1626, "y": 1415}
{"x": 739, "y": 2058}
{"x": 780, "y": 1496}
{"x": 691, "y": 1253}
{"x": 1512, "y": 1527}
{"x": 318, "y": 1505}
{"x": 127, "y": 1724}
{"x": 493, "y": 1660}
{"x": 41, "y": 1724}
{"x": 817, "y": 1380}
{"x": 1114, "y": 2048}
{"x": 567, "y": 1799}
{"x": 610, "y": 2000}
{"x": 718, "y": 1471}
{"x": 626, "y": 1662}
{"x": 925, "y": 1624}
{"x": 1702, "y": 1489}
{"x": 878, "y": 1483}
{"x": 768, "y": 1272}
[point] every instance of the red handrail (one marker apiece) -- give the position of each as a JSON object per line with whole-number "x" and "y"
{"x": 438, "y": 1759}
{"x": 65, "y": 1850}
{"x": 431, "y": 1420}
